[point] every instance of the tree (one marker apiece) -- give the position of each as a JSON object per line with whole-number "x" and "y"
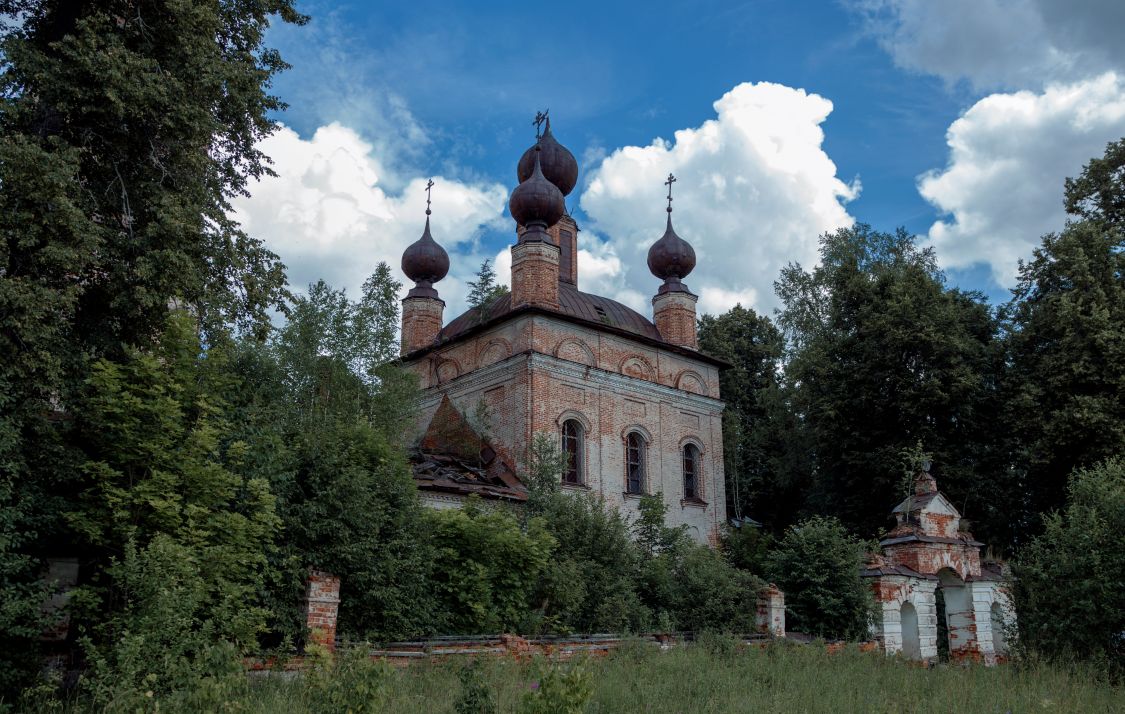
{"x": 817, "y": 564}
{"x": 158, "y": 465}
{"x": 125, "y": 129}
{"x": 1065, "y": 339}
{"x": 882, "y": 355}
{"x": 339, "y": 408}
{"x": 1099, "y": 193}
{"x": 1067, "y": 580}
{"x": 484, "y": 290}
{"x": 762, "y": 465}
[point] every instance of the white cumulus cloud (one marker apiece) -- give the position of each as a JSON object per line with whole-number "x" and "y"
{"x": 1000, "y": 43}
{"x": 755, "y": 191}
{"x": 329, "y": 214}
{"x": 1009, "y": 156}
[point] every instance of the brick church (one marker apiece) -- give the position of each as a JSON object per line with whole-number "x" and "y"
{"x": 631, "y": 402}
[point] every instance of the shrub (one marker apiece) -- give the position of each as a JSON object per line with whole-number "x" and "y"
{"x": 476, "y": 695}
{"x": 817, "y": 564}
{"x": 560, "y": 689}
{"x": 162, "y": 646}
{"x": 689, "y": 586}
{"x": 590, "y": 584}
{"x": 486, "y": 567}
{"x": 1068, "y": 581}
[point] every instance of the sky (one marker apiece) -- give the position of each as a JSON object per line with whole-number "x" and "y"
{"x": 782, "y": 120}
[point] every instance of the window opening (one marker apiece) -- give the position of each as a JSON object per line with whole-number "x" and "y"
{"x": 572, "y": 438}
{"x": 634, "y": 463}
{"x": 691, "y": 472}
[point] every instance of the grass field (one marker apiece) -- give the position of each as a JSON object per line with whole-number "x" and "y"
{"x": 715, "y": 677}
{"x": 721, "y": 679}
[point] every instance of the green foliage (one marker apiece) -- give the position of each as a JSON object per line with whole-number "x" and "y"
{"x": 484, "y": 290}
{"x": 710, "y": 677}
{"x": 1066, "y": 346}
{"x": 476, "y": 696}
{"x": 883, "y": 355}
{"x": 1067, "y": 585}
{"x": 486, "y": 568}
{"x": 689, "y": 586}
{"x": 339, "y": 409}
{"x": 164, "y": 643}
{"x": 560, "y": 689}
{"x": 153, "y": 427}
{"x": 817, "y": 565}
{"x": 758, "y": 458}
{"x": 1098, "y": 194}
{"x": 352, "y": 509}
{"x": 350, "y": 682}
{"x": 590, "y": 581}
{"x": 650, "y": 531}
{"x": 125, "y": 129}
{"x": 747, "y": 548}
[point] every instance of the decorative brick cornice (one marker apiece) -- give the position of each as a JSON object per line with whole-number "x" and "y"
{"x": 622, "y": 383}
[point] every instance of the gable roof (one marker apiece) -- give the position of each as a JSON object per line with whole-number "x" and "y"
{"x": 927, "y": 502}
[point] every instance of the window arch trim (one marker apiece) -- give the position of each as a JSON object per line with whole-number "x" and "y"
{"x": 636, "y": 461}
{"x": 573, "y": 436}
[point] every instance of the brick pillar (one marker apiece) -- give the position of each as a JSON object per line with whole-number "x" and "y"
{"x": 535, "y": 274}
{"x": 771, "y": 611}
{"x": 674, "y": 315}
{"x": 322, "y": 600}
{"x": 421, "y": 321}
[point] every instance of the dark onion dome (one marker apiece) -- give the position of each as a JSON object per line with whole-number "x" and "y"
{"x": 556, "y": 161}
{"x": 424, "y": 261}
{"x": 536, "y": 200}
{"x": 671, "y": 258}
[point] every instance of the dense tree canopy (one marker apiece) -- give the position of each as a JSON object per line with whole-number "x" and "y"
{"x": 125, "y": 128}
{"x": 759, "y": 460}
{"x": 1066, "y": 342}
{"x": 882, "y": 356}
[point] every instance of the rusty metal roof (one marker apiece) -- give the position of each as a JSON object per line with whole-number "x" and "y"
{"x": 572, "y": 303}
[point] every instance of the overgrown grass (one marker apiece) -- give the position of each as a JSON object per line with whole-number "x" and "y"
{"x": 714, "y": 676}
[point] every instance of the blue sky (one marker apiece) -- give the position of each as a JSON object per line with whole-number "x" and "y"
{"x": 956, "y": 119}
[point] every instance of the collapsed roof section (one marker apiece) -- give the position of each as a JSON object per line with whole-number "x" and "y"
{"x": 452, "y": 457}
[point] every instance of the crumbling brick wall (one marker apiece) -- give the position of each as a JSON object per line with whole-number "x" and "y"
{"x": 534, "y": 371}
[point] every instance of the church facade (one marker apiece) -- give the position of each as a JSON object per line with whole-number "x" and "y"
{"x": 631, "y": 402}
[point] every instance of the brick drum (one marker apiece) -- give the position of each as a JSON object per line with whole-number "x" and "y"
{"x": 421, "y": 322}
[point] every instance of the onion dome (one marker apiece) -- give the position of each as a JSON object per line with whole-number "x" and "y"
{"x": 555, "y": 160}
{"x": 425, "y": 262}
{"x": 671, "y": 258}
{"x": 536, "y": 202}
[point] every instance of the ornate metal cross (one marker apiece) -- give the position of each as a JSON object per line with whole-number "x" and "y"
{"x": 429, "y": 186}
{"x": 671, "y": 180}
{"x": 540, "y": 117}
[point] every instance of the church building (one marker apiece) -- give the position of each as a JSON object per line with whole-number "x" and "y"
{"x": 631, "y": 402}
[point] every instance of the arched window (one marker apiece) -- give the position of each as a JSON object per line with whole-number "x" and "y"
{"x": 691, "y": 472}
{"x": 573, "y": 439}
{"x": 634, "y": 463}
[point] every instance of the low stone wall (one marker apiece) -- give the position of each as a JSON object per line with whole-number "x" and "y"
{"x": 322, "y": 602}
{"x": 437, "y": 649}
